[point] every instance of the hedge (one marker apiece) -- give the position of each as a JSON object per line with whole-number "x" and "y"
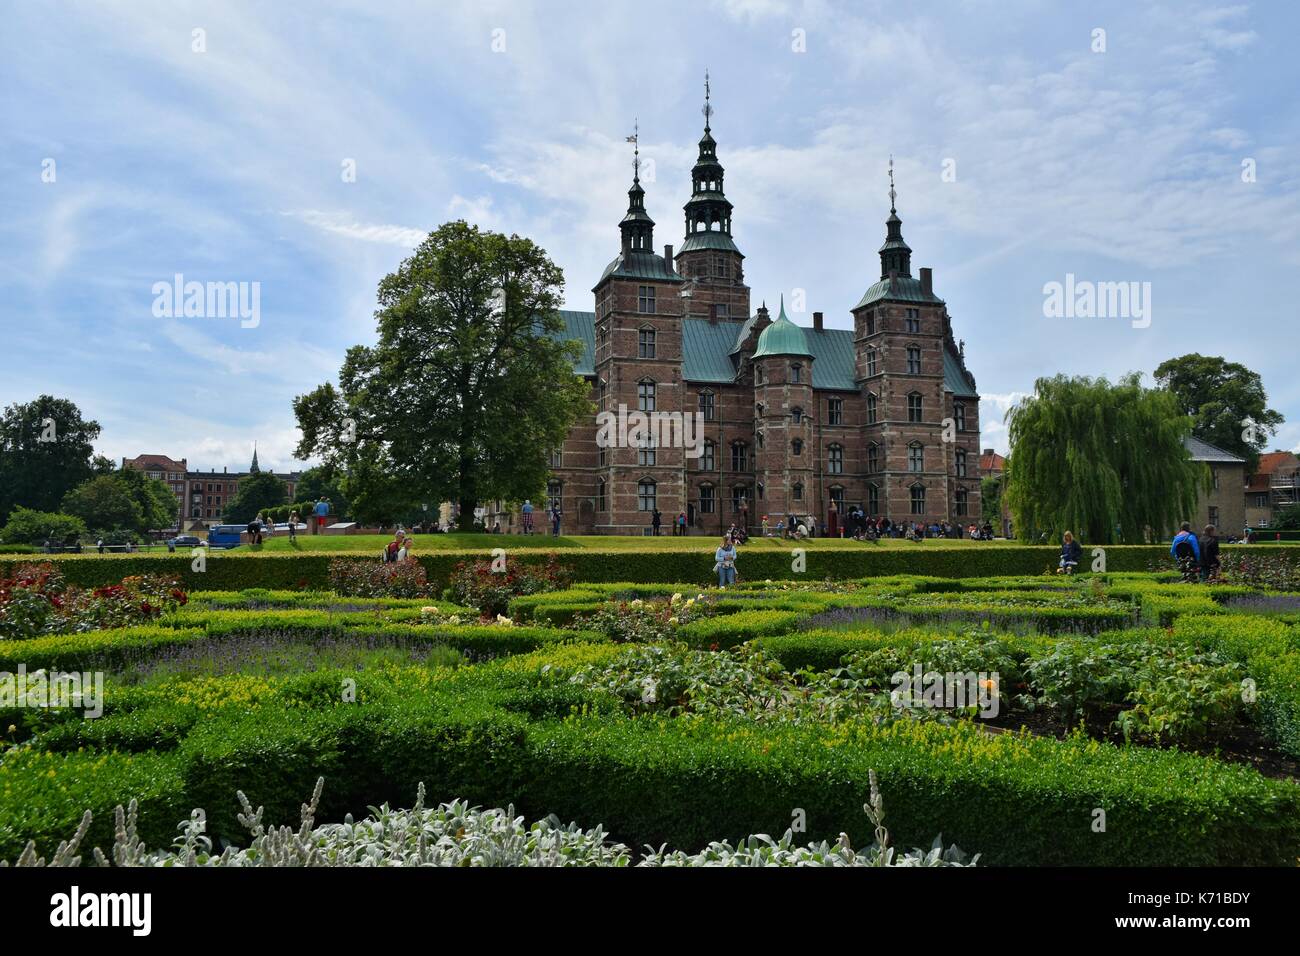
{"x": 1015, "y": 799}
{"x": 238, "y": 570}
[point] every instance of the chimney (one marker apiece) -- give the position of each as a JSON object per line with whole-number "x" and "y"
{"x": 927, "y": 280}
{"x": 817, "y": 321}
{"x": 988, "y": 452}
{"x": 668, "y": 257}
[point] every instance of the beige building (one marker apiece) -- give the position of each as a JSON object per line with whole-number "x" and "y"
{"x": 1223, "y": 505}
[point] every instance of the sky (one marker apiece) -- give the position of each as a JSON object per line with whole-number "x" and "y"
{"x": 302, "y": 150}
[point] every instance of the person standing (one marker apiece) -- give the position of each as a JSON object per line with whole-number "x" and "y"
{"x": 293, "y": 526}
{"x": 555, "y": 519}
{"x": 656, "y": 521}
{"x": 725, "y": 558}
{"x": 1209, "y": 554}
{"x": 1188, "y": 552}
{"x": 527, "y": 512}
{"x": 322, "y": 509}
{"x": 832, "y": 520}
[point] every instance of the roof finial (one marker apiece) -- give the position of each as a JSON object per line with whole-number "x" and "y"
{"x": 892, "y": 194}
{"x": 635, "y": 140}
{"x": 708, "y": 108}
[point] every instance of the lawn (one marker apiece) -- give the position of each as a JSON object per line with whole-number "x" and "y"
{"x": 483, "y": 542}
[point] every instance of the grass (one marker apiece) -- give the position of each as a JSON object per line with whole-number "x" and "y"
{"x": 425, "y": 543}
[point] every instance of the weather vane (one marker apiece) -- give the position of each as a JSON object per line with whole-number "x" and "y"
{"x": 635, "y": 140}
{"x": 892, "y": 194}
{"x": 708, "y": 108}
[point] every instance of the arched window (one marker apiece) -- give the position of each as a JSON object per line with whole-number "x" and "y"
{"x": 796, "y": 415}
{"x": 914, "y": 408}
{"x": 796, "y": 447}
{"x": 871, "y": 361}
{"x": 913, "y": 360}
{"x": 835, "y": 460}
{"x": 918, "y": 499}
{"x": 645, "y": 494}
{"x": 796, "y": 491}
{"x": 961, "y": 462}
{"x": 645, "y": 342}
{"x": 645, "y": 395}
{"x": 915, "y": 457}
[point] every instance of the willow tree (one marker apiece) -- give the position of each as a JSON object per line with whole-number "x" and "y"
{"x": 1107, "y": 462}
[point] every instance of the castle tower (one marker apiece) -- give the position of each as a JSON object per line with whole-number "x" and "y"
{"x": 784, "y": 413}
{"x": 709, "y": 259}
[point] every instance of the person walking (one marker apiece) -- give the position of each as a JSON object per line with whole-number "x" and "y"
{"x": 1071, "y": 552}
{"x": 293, "y": 526}
{"x": 656, "y": 521}
{"x": 1209, "y": 554}
{"x": 321, "y": 510}
{"x": 1187, "y": 550}
{"x": 555, "y": 519}
{"x": 527, "y": 512}
{"x": 725, "y": 558}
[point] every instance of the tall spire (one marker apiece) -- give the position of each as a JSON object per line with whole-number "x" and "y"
{"x": 708, "y": 211}
{"x": 253, "y": 469}
{"x": 637, "y": 227}
{"x": 895, "y": 254}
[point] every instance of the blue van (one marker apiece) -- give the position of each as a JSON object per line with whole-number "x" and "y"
{"x": 225, "y": 535}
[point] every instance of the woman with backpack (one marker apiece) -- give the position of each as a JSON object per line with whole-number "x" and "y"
{"x": 1209, "y": 554}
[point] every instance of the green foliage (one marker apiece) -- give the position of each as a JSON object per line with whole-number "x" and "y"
{"x": 157, "y": 502}
{"x": 26, "y": 526}
{"x": 257, "y": 493}
{"x": 991, "y": 489}
{"x": 37, "y": 473}
{"x": 105, "y": 503}
{"x": 399, "y": 579}
{"x": 1104, "y": 461}
{"x": 1221, "y": 397}
{"x": 466, "y": 388}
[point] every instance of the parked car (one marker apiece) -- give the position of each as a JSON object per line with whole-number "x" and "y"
{"x": 185, "y": 541}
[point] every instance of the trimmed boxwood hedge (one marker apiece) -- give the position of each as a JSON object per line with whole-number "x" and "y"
{"x": 237, "y": 570}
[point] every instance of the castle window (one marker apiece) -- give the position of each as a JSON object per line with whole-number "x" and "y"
{"x": 721, "y": 268}
{"x": 913, "y": 360}
{"x": 707, "y": 405}
{"x": 914, "y": 407}
{"x": 796, "y": 447}
{"x": 796, "y": 374}
{"x": 837, "y": 495}
{"x": 834, "y": 411}
{"x": 915, "y": 457}
{"x": 871, "y": 322}
{"x": 645, "y": 395}
{"x": 796, "y": 415}
{"x": 645, "y": 343}
{"x": 602, "y": 391}
{"x": 918, "y": 499}
{"x": 959, "y": 416}
{"x": 645, "y": 494}
{"x": 645, "y": 453}
{"x": 645, "y": 299}
{"x": 914, "y": 320}
{"x": 961, "y": 463}
{"x": 706, "y": 499}
{"x": 739, "y": 498}
{"x": 554, "y": 494}
{"x": 871, "y": 361}
{"x": 962, "y": 499}
{"x": 873, "y": 500}
{"x": 835, "y": 460}
{"x": 738, "y": 450}
{"x": 758, "y": 439}
{"x": 557, "y": 458}
{"x": 600, "y": 494}
{"x": 796, "y": 491}
{"x": 873, "y": 457}
{"x": 722, "y": 310}
{"x": 760, "y": 491}
{"x": 602, "y": 456}
{"x": 708, "y": 458}
{"x": 871, "y": 409}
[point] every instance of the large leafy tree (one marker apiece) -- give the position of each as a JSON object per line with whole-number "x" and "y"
{"x": 1225, "y": 400}
{"x": 1104, "y": 461}
{"x": 158, "y": 504}
{"x": 324, "y": 481}
{"x": 466, "y": 388}
{"x": 46, "y": 450}
{"x": 258, "y": 492}
{"x": 105, "y": 503}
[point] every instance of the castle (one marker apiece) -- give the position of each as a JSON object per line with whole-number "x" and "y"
{"x": 884, "y": 416}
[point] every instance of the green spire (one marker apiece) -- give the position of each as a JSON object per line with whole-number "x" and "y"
{"x": 782, "y": 337}
{"x": 253, "y": 469}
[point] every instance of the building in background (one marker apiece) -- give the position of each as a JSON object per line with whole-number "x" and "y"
{"x": 167, "y": 470}
{"x": 1272, "y": 487}
{"x": 993, "y": 465}
{"x": 1222, "y": 505}
{"x": 203, "y": 496}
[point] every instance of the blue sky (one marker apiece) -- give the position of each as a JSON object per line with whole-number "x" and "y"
{"x": 226, "y": 165}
